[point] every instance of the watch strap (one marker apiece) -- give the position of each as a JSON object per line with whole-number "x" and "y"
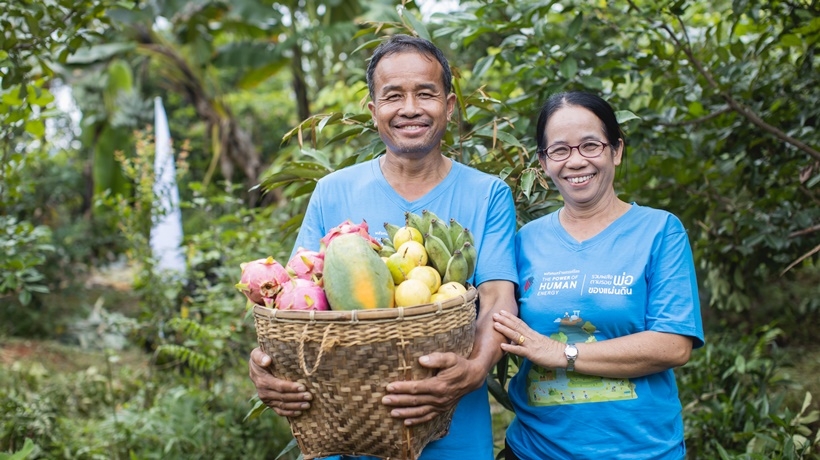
{"x": 571, "y": 353}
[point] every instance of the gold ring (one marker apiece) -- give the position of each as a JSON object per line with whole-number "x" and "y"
{"x": 521, "y": 339}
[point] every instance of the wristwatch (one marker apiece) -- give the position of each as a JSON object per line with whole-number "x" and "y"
{"x": 572, "y": 354}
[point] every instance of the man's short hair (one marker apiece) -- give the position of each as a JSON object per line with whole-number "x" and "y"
{"x": 405, "y": 43}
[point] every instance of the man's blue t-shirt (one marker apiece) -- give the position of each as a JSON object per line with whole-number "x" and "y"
{"x": 478, "y": 201}
{"x": 636, "y": 275}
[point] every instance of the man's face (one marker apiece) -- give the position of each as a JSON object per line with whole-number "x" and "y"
{"x": 409, "y": 106}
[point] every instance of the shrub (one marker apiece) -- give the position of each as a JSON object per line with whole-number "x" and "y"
{"x": 734, "y": 390}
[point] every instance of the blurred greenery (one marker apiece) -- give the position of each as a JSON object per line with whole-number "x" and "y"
{"x": 105, "y": 356}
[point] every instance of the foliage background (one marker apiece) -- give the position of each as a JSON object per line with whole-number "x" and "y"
{"x": 720, "y": 105}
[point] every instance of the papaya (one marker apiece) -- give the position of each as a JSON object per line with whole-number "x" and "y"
{"x": 354, "y": 276}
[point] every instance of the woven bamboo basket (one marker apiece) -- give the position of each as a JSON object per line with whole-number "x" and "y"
{"x": 347, "y": 358}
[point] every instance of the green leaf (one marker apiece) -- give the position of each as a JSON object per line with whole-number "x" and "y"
{"x": 415, "y": 24}
{"x": 320, "y": 156}
{"x": 35, "y": 127}
{"x": 527, "y": 181}
{"x": 330, "y": 119}
{"x": 367, "y": 45}
{"x": 289, "y": 447}
{"x": 569, "y": 67}
{"x": 39, "y": 96}
{"x": 355, "y": 132}
{"x": 38, "y": 288}
{"x": 625, "y": 115}
{"x": 498, "y": 392}
{"x": 459, "y": 95}
{"x": 12, "y": 98}
{"x": 575, "y": 25}
{"x": 24, "y": 297}
{"x": 502, "y": 136}
{"x": 22, "y": 454}
{"x": 482, "y": 66}
{"x": 96, "y": 53}
{"x": 258, "y": 75}
{"x": 295, "y": 172}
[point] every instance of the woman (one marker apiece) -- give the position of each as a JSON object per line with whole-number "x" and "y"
{"x": 608, "y": 305}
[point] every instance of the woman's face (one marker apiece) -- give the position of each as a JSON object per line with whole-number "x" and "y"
{"x": 583, "y": 182}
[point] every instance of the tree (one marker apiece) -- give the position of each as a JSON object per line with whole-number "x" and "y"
{"x": 38, "y": 36}
{"x": 726, "y": 109}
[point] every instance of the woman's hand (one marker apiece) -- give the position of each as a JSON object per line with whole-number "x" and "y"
{"x": 539, "y": 349}
{"x": 629, "y": 356}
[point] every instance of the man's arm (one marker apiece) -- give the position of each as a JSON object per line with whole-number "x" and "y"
{"x": 422, "y": 400}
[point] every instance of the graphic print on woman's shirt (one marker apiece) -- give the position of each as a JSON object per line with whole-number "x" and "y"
{"x": 549, "y": 387}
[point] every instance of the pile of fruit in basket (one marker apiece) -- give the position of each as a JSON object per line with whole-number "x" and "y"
{"x": 425, "y": 260}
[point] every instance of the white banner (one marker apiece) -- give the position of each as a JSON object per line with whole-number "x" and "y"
{"x": 166, "y": 232}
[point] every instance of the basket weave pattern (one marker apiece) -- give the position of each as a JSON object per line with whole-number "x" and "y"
{"x": 346, "y": 359}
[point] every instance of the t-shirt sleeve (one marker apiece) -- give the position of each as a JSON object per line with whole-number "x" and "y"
{"x": 496, "y": 256}
{"x": 674, "y": 305}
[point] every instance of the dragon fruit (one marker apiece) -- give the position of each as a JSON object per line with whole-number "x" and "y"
{"x": 301, "y": 294}
{"x": 262, "y": 280}
{"x": 349, "y": 227}
{"x": 306, "y": 264}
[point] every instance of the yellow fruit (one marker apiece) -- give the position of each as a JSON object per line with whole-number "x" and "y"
{"x": 428, "y": 275}
{"x": 399, "y": 267}
{"x": 452, "y": 289}
{"x": 412, "y": 292}
{"x": 439, "y": 297}
{"x": 405, "y": 234}
{"x": 414, "y": 251}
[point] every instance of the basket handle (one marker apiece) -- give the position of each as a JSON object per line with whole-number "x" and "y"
{"x": 327, "y": 344}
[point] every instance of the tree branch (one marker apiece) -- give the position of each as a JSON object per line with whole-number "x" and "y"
{"x": 701, "y": 119}
{"x": 735, "y": 105}
{"x": 805, "y": 256}
{"x": 805, "y": 231}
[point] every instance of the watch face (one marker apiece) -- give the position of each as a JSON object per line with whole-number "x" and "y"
{"x": 571, "y": 351}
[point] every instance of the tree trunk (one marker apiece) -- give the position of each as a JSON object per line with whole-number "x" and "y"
{"x": 299, "y": 84}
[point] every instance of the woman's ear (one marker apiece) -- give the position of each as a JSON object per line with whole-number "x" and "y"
{"x": 618, "y": 154}
{"x": 542, "y": 159}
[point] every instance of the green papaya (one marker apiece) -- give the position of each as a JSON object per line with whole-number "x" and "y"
{"x": 354, "y": 276}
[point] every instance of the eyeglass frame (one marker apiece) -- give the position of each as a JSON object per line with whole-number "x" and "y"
{"x": 544, "y": 151}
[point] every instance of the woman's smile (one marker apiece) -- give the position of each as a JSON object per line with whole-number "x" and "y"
{"x": 577, "y": 180}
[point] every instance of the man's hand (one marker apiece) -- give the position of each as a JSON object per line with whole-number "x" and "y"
{"x": 287, "y": 399}
{"x": 422, "y": 400}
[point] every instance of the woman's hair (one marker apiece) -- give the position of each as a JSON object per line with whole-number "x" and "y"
{"x": 589, "y": 101}
{"x": 404, "y": 44}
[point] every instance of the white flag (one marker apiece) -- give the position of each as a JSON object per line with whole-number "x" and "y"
{"x": 166, "y": 232}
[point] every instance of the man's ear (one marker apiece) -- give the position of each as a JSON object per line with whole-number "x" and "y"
{"x": 451, "y": 105}
{"x": 372, "y": 107}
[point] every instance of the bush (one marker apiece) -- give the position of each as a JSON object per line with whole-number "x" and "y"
{"x": 125, "y": 414}
{"x": 735, "y": 394}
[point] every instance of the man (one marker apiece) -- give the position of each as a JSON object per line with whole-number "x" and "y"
{"x": 409, "y": 81}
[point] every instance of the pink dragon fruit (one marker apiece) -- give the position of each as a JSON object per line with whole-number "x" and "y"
{"x": 306, "y": 264}
{"x": 349, "y": 227}
{"x": 262, "y": 279}
{"x": 301, "y": 294}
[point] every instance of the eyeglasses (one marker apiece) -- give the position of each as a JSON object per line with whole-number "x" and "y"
{"x": 560, "y": 151}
